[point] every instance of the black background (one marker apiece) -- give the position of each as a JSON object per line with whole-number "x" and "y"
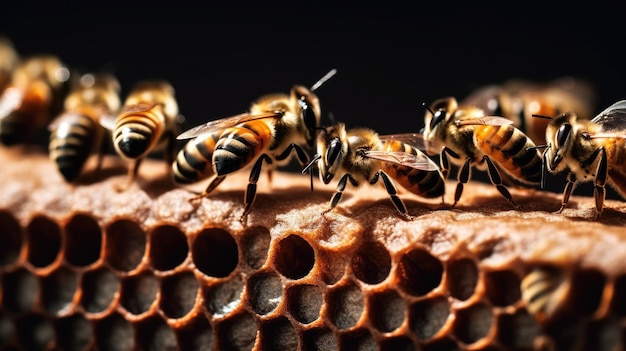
{"x": 390, "y": 57}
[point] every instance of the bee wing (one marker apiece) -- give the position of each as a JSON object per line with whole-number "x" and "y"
{"x": 484, "y": 121}
{"x": 107, "y": 121}
{"x": 617, "y": 134}
{"x": 613, "y": 117}
{"x": 140, "y": 107}
{"x": 414, "y": 139}
{"x": 419, "y": 161}
{"x": 226, "y": 122}
{"x": 66, "y": 116}
{"x": 10, "y": 101}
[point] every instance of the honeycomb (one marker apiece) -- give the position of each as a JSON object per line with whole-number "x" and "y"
{"x": 83, "y": 267}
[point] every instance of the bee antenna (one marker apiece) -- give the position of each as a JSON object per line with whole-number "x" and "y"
{"x": 537, "y": 147}
{"x": 542, "y": 116}
{"x": 428, "y": 108}
{"x": 323, "y": 80}
{"x": 308, "y": 166}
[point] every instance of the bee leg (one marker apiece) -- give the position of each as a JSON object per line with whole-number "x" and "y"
{"x": 496, "y": 180}
{"x": 170, "y": 151}
{"x": 599, "y": 190}
{"x": 341, "y": 186}
{"x": 569, "y": 187}
{"x": 302, "y": 156}
{"x": 251, "y": 189}
{"x": 393, "y": 193}
{"x": 133, "y": 170}
{"x": 444, "y": 163}
{"x": 209, "y": 189}
{"x": 464, "y": 176}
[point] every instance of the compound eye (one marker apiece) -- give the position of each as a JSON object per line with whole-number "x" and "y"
{"x": 437, "y": 118}
{"x": 562, "y": 134}
{"x": 333, "y": 151}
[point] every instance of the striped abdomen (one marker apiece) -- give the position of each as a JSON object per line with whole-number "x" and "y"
{"x": 239, "y": 145}
{"x": 507, "y": 146}
{"x": 427, "y": 184}
{"x": 71, "y": 143}
{"x": 194, "y": 162}
{"x": 616, "y": 154}
{"x": 138, "y": 129}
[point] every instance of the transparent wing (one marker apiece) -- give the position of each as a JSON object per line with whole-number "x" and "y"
{"x": 227, "y": 122}
{"x": 414, "y": 139}
{"x": 484, "y": 121}
{"x": 419, "y": 161}
{"x": 617, "y": 134}
{"x": 142, "y": 107}
{"x": 613, "y": 118}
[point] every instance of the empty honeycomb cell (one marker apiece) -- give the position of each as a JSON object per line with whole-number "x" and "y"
{"x": 168, "y": 247}
{"x": 428, "y": 316}
{"x": 473, "y": 323}
{"x": 20, "y": 289}
{"x": 265, "y": 291}
{"x": 398, "y": 343}
{"x": 44, "y": 241}
{"x": 237, "y": 333}
{"x": 357, "y": 340}
{"x": 517, "y": 331}
{"x": 345, "y": 305}
{"x": 371, "y": 262}
{"x": 318, "y": 339}
{"x": 255, "y": 246}
{"x": 114, "y": 333}
{"x": 618, "y": 300}
{"x": 178, "y": 294}
{"x": 223, "y": 297}
{"x": 587, "y": 288}
{"x": 35, "y": 332}
{"x": 154, "y": 334}
{"x": 83, "y": 240}
{"x": 215, "y": 252}
{"x": 98, "y": 289}
{"x": 196, "y": 335}
{"x": 294, "y": 257}
{"x": 502, "y": 287}
{"x": 304, "y": 302}
{"x": 10, "y": 240}
{"x": 125, "y": 245}
{"x": 278, "y": 334}
{"x": 58, "y": 290}
{"x": 139, "y": 292}
{"x": 603, "y": 335}
{"x": 7, "y": 330}
{"x": 386, "y": 310}
{"x": 419, "y": 272}
{"x": 73, "y": 332}
{"x": 443, "y": 344}
{"x": 461, "y": 278}
{"x": 566, "y": 332}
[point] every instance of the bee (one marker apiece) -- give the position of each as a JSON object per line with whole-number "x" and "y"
{"x": 544, "y": 289}
{"x": 9, "y": 59}
{"x": 361, "y": 155}
{"x": 471, "y": 139}
{"x": 76, "y": 133}
{"x": 31, "y": 98}
{"x": 518, "y": 100}
{"x": 147, "y": 122}
{"x": 275, "y": 125}
{"x": 592, "y": 150}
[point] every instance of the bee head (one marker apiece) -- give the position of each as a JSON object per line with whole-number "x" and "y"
{"x": 438, "y": 112}
{"x": 332, "y": 148}
{"x": 559, "y": 136}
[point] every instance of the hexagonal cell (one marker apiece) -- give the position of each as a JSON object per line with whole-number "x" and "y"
{"x": 20, "y": 289}
{"x": 265, "y": 292}
{"x": 398, "y": 343}
{"x": 304, "y": 302}
{"x": 10, "y": 240}
{"x": 517, "y": 331}
{"x": 345, "y": 305}
{"x": 502, "y": 287}
{"x": 139, "y": 292}
{"x": 618, "y": 300}
{"x": 603, "y": 334}
{"x": 587, "y": 288}
{"x": 357, "y": 340}
{"x": 473, "y": 323}
{"x": 237, "y": 333}
{"x": 168, "y": 247}
{"x": 196, "y": 335}
{"x": 154, "y": 334}
{"x": 35, "y": 332}
{"x": 428, "y": 316}
{"x": 278, "y": 334}
{"x": 178, "y": 294}
{"x": 83, "y": 240}
{"x": 419, "y": 272}
{"x": 214, "y": 252}
{"x": 461, "y": 278}
{"x": 386, "y": 310}
{"x": 43, "y": 241}
{"x": 125, "y": 245}
{"x": 334, "y": 267}
{"x": 443, "y": 344}
{"x": 318, "y": 339}
{"x": 294, "y": 257}
{"x": 224, "y": 297}
{"x": 58, "y": 289}
{"x": 371, "y": 262}
{"x": 566, "y": 332}
{"x": 7, "y": 330}
{"x": 114, "y": 333}
{"x": 73, "y": 332}
{"x": 255, "y": 246}
{"x": 98, "y": 289}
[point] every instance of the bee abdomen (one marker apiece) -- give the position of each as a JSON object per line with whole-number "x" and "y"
{"x": 427, "y": 184}
{"x": 70, "y": 146}
{"x": 193, "y": 162}
{"x": 135, "y": 137}
{"x": 238, "y": 146}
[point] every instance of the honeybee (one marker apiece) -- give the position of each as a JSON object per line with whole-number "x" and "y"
{"x": 361, "y": 155}
{"x": 544, "y": 289}
{"x": 147, "y": 122}
{"x": 518, "y": 100}
{"x": 275, "y": 125}
{"x": 472, "y": 139}
{"x": 9, "y": 59}
{"x": 592, "y": 150}
{"x": 76, "y": 133}
{"x": 26, "y": 105}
